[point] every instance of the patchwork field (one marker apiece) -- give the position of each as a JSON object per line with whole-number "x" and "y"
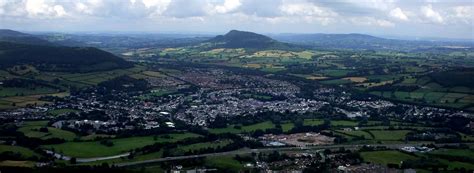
{"x": 120, "y": 145}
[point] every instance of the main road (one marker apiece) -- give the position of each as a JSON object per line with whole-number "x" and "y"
{"x": 248, "y": 151}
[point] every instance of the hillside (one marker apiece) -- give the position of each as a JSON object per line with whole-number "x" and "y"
{"x": 249, "y": 40}
{"x": 58, "y": 58}
{"x": 356, "y": 41}
{"x": 7, "y": 35}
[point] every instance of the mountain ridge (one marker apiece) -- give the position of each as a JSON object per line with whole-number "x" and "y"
{"x": 49, "y": 57}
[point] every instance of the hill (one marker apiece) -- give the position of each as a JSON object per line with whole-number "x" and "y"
{"x": 244, "y": 39}
{"x": 7, "y": 35}
{"x": 359, "y": 41}
{"x": 58, "y": 58}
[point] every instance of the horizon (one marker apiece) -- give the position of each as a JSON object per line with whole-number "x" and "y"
{"x": 212, "y": 34}
{"x": 419, "y": 19}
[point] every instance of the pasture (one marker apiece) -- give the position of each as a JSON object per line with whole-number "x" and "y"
{"x": 120, "y": 145}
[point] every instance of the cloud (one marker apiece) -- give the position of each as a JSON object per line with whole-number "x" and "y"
{"x": 308, "y": 12}
{"x": 186, "y": 8}
{"x": 44, "y": 9}
{"x": 228, "y": 6}
{"x": 465, "y": 13}
{"x": 397, "y": 13}
{"x": 371, "y": 21}
{"x": 217, "y": 15}
{"x": 431, "y": 15}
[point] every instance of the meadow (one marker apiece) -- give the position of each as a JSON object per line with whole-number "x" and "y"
{"x": 120, "y": 145}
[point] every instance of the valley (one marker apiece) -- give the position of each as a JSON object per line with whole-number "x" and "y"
{"x": 235, "y": 102}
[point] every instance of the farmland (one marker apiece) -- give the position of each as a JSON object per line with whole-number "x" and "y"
{"x": 120, "y": 145}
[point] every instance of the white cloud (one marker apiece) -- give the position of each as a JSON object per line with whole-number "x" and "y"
{"x": 228, "y": 6}
{"x": 306, "y": 9}
{"x": 431, "y": 14}
{"x": 44, "y": 9}
{"x": 397, "y": 13}
{"x": 308, "y": 12}
{"x": 464, "y": 12}
{"x": 370, "y": 21}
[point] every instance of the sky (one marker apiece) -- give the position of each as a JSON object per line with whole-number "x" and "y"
{"x": 414, "y": 18}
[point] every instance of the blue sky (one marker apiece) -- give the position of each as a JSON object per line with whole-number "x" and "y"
{"x": 417, "y": 18}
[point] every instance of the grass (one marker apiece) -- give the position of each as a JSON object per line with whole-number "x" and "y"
{"x": 287, "y": 126}
{"x": 386, "y": 157}
{"x": 244, "y": 129}
{"x": 121, "y": 145}
{"x": 198, "y": 146}
{"x": 313, "y": 122}
{"x": 94, "y": 136}
{"x": 356, "y": 133}
{"x": 225, "y": 162}
{"x": 7, "y": 92}
{"x": 25, "y": 152}
{"x": 12, "y": 163}
{"x": 455, "y": 152}
{"x": 389, "y": 135}
{"x": 31, "y": 129}
{"x": 336, "y": 82}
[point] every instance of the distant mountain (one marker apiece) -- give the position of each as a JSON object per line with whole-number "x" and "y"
{"x": 358, "y": 41}
{"x": 244, "y": 39}
{"x": 59, "y": 58}
{"x": 8, "y": 35}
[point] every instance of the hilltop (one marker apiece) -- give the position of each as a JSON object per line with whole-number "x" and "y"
{"x": 244, "y": 39}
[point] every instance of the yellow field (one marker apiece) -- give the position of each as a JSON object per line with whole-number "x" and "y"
{"x": 375, "y": 84}
{"x": 316, "y": 77}
{"x": 17, "y": 163}
{"x": 356, "y": 79}
{"x": 253, "y": 65}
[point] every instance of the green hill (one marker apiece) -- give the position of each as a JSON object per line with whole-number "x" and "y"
{"x": 249, "y": 40}
{"x": 58, "y": 58}
{"x": 7, "y": 35}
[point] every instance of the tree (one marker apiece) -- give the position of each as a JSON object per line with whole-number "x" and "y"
{"x": 299, "y": 122}
{"x": 73, "y": 160}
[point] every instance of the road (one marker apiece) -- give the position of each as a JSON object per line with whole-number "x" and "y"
{"x": 84, "y": 160}
{"x": 248, "y": 151}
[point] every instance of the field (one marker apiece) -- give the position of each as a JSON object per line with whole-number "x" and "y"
{"x": 120, "y": 145}
{"x": 225, "y": 162}
{"x": 386, "y": 157}
{"x": 250, "y": 128}
{"x": 355, "y": 133}
{"x": 12, "y": 163}
{"x": 31, "y": 129}
{"x": 25, "y": 152}
{"x": 197, "y": 146}
{"x": 389, "y": 135}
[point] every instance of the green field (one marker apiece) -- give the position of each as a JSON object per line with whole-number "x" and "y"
{"x": 25, "y": 152}
{"x": 386, "y": 157}
{"x": 357, "y": 133}
{"x": 389, "y": 135}
{"x": 197, "y": 146}
{"x": 31, "y": 129}
{"x": 225, "y": 162}
{"x": 7, "y": 92}
{"x": 249, "y": 128}
{"x": 121, "y": 145}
